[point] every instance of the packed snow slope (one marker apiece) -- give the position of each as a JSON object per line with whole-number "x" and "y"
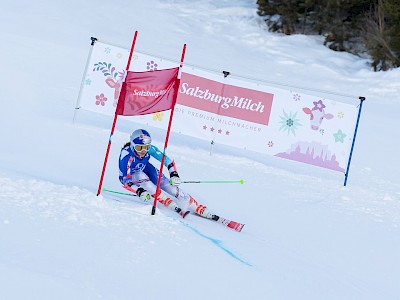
{"x": 306, "y": 236}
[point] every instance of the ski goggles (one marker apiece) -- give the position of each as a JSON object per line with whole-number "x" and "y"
{"x": 139, "y": 148}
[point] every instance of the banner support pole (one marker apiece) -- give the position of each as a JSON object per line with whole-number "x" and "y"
{"x": 178, "y": 81}
{"x": 78, "y": 102}
{"x": 212, "y": 143}
{"x": 362, "y": 99}
{"x": 115, "y": 120}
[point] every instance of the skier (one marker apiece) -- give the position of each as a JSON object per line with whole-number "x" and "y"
{"x": 136, "y": 170}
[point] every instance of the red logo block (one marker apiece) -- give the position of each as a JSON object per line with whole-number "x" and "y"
{"x": 224, "y": 99}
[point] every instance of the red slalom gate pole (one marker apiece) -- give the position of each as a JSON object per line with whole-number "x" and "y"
{"x": 115, "y": 120}
{"x": 178, "y": 81}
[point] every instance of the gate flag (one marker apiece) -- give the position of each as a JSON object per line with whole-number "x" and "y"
{"x": 148, "y": 92}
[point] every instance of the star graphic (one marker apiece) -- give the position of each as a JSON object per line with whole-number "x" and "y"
{"x": 212, "y": 128}
{"x": 339, "y": 136}
{"x": 204, "y": 127}
{"x": 318, "y": 105}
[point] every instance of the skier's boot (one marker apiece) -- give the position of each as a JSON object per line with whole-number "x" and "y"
{"x": 202, "y": 210}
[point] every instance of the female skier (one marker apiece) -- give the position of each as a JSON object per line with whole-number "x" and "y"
{"x": 136, "y": 172}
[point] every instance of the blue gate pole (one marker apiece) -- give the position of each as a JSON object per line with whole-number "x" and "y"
{"x": 362, "y": 99}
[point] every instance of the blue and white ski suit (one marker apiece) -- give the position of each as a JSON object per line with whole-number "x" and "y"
{"x": 141, "y": 173}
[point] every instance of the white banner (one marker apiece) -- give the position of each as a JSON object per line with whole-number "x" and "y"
{"x": 232, "y": 111}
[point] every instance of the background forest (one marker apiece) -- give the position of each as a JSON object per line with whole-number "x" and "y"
{"x": 359, "y": 26}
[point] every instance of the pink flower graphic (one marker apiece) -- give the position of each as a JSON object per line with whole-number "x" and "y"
{"x": 101, "y": 100}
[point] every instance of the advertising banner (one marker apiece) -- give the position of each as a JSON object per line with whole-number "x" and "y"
{"x": 231, "y": 111}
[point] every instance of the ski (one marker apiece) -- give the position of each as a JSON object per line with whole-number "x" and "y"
{"x": 229, "y": 223}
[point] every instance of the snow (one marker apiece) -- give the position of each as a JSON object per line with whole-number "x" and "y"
{"x": 306, "y": 236}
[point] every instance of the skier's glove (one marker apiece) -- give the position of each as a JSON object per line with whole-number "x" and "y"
{"x": 174, "y": 178}
{"x": 143, "y": 194}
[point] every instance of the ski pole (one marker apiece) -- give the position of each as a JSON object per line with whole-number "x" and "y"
{"x": 115, "y": 192}
{"x": 241, "y": 181}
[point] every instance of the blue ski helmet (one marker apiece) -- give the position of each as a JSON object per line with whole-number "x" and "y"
{"x": 139, "y": 139}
